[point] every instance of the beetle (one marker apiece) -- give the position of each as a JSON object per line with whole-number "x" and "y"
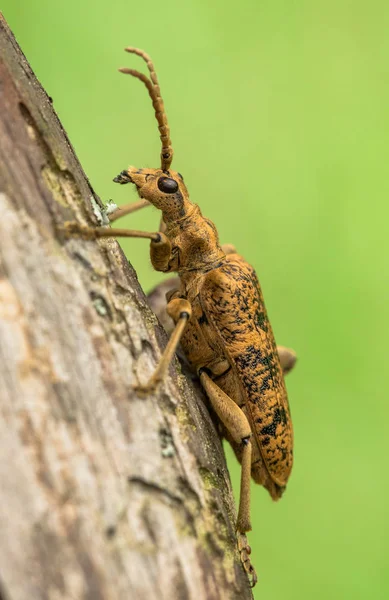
{"x": 220, "y": 321}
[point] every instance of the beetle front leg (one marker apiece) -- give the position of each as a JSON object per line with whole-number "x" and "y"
{"x": 235, "y": 421}
{"x": 127, "y": 209}
{"x": 161, "y": 254}
{"x": 180, "y": 310}
{"x": 73, "y": 228}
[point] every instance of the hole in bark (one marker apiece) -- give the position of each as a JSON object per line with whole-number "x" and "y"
{"x": 110, "y": 532}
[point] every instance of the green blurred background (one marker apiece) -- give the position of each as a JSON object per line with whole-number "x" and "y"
{"x": 279, "y": 119}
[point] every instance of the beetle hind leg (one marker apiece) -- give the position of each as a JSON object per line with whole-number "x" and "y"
{"x": 243, "y": 522}
{"x": 235, "y": 421}
{"x": 245, "y": 551}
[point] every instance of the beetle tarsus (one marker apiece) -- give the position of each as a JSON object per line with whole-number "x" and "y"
{"x": 75, "y": 229}
{"x": 147, "y": 389}
{"x": 245, "y": 551}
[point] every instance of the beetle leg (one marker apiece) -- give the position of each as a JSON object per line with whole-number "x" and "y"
{"x": 235, "y": 421}
{"x": 227, "y": 410}
{"x": 161, "y": 254}
{"x": 180, "y": 310}
{"x": 229, "y": 249}
{"x": 287, "y": 358}
{"x": 245, "y": 552}
{"x": 130, "y": 208}
{"x": 127, "y": 209}
{"x": 73, "y": 228}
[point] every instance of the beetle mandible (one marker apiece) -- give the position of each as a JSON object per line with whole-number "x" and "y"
{"x": 220, "y": 321}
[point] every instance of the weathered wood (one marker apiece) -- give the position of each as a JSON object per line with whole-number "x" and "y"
{"x": 103, "y": 495}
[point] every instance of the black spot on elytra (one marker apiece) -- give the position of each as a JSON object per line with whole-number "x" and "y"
{"x": 269, "y": 429}
{"x": 202, "y": 320}
{"x": 261, "y": 319}
{"x": 283, "y": 451}
{"x": 265, "y": 383}
{"x": 279, "y": 416}
{"x": 251, "y": 358}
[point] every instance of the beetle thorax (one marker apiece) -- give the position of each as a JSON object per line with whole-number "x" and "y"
{"x": 195, "y": 238}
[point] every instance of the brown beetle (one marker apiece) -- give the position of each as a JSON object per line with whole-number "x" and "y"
{"x": 220, "y": 321}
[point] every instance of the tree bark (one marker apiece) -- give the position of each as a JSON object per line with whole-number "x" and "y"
{"x": 103, "y": 495}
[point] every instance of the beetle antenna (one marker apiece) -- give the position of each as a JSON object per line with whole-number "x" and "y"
{"x": 155, "y": 95}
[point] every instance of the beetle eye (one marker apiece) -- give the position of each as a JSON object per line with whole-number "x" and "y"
{"x": 167, "y": 185}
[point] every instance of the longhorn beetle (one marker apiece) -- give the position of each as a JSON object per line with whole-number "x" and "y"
{"x": 220, "y": 321}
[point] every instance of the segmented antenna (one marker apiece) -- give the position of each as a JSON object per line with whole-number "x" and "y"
{"x": 155, "y": 95}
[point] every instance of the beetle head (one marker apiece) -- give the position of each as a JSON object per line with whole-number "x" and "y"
{"x": 166, "y": 190}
